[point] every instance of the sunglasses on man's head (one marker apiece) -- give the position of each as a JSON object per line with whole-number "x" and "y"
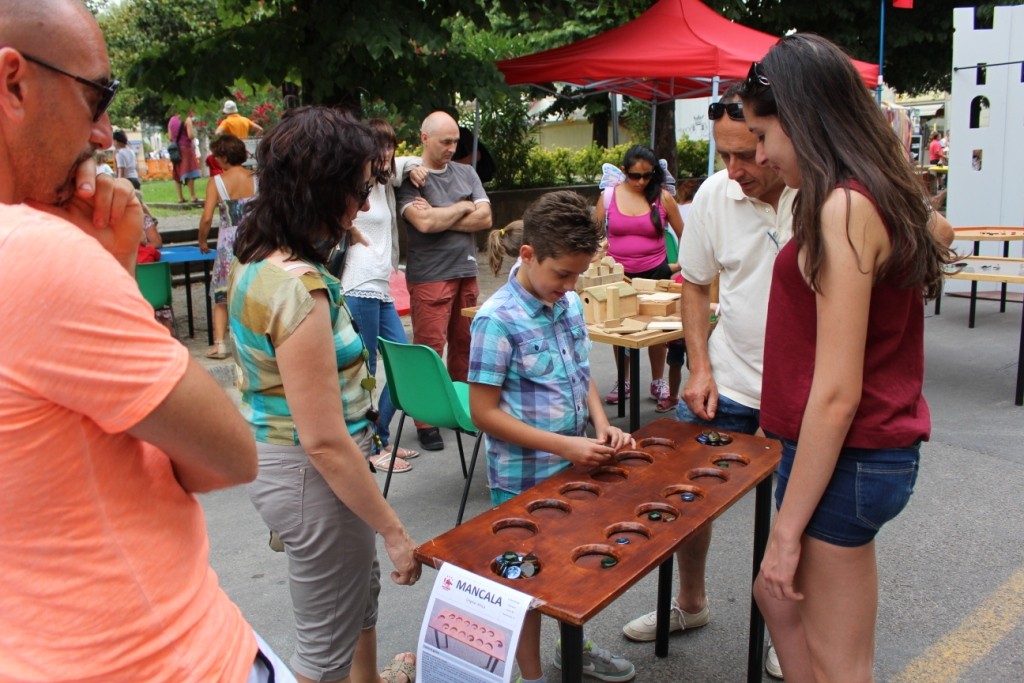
{"x": 106, "y": 90}
{"x": 718, "y": 109}
{"x": 756, "y": 77}
{"x": 640, "y": 176}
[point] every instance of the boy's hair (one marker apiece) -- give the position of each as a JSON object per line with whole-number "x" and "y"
{"x": 502, "y": 243}
{"x": 558, "y": 224}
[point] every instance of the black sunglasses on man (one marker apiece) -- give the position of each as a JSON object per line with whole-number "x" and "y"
{"x": 106, "y": 90}
{"x": 718, "y": 109}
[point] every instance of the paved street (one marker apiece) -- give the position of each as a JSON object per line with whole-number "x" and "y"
{"x": 951, "y": 566}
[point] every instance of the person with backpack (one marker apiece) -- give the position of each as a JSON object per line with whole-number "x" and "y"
{"x": 227, "y": 192}
{"x": 182, "y": 152}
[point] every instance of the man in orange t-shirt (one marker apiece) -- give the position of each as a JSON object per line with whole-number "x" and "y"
{"x": 236, "y": 124}
{"x": 108, "y": 426}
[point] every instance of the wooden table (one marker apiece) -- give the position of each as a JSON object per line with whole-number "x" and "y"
{"x": 1005, "y": 271}
{"x": 620, "y": 342}
{"x": 985, "y": 234}
{"x": 634, "y": 342}
{"x": 575, "y": 519}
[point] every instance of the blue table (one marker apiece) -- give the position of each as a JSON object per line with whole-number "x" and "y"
{"x": 188, "y": 255}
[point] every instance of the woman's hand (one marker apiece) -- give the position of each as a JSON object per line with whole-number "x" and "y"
{"x": 778, "y": 567}
{"x": 204, "y": 247}
{"x": 400, "y": 549}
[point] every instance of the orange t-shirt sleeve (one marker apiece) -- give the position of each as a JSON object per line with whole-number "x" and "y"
{"x": 79, "y": 333}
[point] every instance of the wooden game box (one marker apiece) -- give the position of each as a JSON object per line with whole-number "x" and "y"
{"x": 594, "y": 527}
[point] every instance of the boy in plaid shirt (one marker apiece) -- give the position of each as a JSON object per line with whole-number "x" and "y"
{"x": 529, "y": 383}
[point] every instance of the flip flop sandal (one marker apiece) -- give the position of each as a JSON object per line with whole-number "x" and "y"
{"x": 396, "y": 668}
{"x": 383, "y": 461}
{"x": 403, "y": 453}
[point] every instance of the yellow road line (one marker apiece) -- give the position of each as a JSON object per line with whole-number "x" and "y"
{"x": 948, "y": 660}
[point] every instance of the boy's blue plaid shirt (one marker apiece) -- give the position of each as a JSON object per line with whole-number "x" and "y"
{"x": 540, "y": 357}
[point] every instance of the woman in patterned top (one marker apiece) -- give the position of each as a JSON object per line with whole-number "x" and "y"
{"x": 227, "y": 192}
{"x": 307, "y": 394}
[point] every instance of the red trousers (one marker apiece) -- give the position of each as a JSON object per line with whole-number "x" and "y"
{"x": 437, "y": 319}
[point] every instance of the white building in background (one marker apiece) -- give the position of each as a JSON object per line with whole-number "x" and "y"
{"x": 986, "y": 147}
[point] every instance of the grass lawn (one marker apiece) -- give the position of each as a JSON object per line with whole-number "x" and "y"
{"x": 163, "y": 192}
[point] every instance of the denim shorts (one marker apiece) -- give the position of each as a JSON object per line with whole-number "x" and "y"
{"x": 730, "y": 416}
{"x": 868, "y": 488}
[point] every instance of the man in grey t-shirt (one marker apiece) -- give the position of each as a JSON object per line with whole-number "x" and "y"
{"x": 441, "y": 264}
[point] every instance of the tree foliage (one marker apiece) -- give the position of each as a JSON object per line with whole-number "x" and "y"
{"x": 918, "y": 42}
{"x": 134, "y": 28}
{"x": 402, "y": 52}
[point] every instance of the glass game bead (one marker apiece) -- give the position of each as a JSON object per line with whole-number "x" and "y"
{"x": 688, "y": 496}
{"x": 608, "y": 562}
{"x": 622, "y": 540}
{"x": 654, "y": 516}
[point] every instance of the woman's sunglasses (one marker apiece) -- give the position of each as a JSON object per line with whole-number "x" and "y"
{"x": 640, "y": 176}
{"x": 718, "y": 109}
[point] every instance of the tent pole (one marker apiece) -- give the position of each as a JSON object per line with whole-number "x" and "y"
{"x": 881, "y": 55}
{"x": 614, "y": 100}
{"x": 711, "y": 129}
{"x": 654, "y": 117}
{"x": 476, "y": 129}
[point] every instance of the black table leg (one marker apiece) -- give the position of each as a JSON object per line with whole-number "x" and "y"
{"x": 1002, "y": 288}
{"x": 209, "y": 303}
{"x": 974, "y": 291}
{"x": 762, "y": 526}
{"x": 938, "y": 297}
{"x": 1019, "y": 398}
{"x": 620, "y": 362}
{"x": 634, "y": 395}
{"x": 188, "y": 299}
{"x": 572, "y": 652}
{"x": 664, "y": 607}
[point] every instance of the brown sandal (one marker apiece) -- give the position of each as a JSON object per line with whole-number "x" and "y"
{"x": 400, "y": 667}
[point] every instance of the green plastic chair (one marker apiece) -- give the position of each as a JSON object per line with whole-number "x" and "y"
{"x": 155, "y": 284}
{"x": 421, "y": 387}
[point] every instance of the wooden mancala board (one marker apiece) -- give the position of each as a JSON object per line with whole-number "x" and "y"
{"x": 595, "y": 532}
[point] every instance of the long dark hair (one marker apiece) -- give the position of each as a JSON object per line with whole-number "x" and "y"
{"x": 839, "y": 135}
{"x": 653, "y": 190}
{"x": 312, "y": 164}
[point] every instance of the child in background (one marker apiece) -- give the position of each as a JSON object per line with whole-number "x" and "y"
{"x": 502, "y": 243}
{"x": 530, "y": 389}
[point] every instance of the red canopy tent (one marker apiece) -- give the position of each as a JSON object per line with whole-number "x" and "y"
{"x": 676, "y": 49}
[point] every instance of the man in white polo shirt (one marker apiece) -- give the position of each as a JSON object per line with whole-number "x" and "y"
{"x": 740, "y": 219}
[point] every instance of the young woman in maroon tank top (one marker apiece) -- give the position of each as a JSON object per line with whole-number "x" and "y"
{"x": 844, "y": 351}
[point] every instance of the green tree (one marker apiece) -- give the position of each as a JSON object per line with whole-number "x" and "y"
{"x": 135, "y": 27}
{"x": 401, "y": 52}
{"x": 918, "y": 42}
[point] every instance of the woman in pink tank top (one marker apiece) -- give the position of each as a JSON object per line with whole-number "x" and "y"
{"x": 639, "y": 211}
{"x": 844, "y": 351}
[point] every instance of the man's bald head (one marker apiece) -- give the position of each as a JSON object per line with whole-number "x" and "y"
{"x": 440, "y": 136}
{"x": 46, "y": 117}
{"x": 31, "y": 24}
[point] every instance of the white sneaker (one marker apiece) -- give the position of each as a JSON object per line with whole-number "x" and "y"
{"x": 643, "y": 628}
{"x": 599, "y": 663}
{"x": 771, "y": 662}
